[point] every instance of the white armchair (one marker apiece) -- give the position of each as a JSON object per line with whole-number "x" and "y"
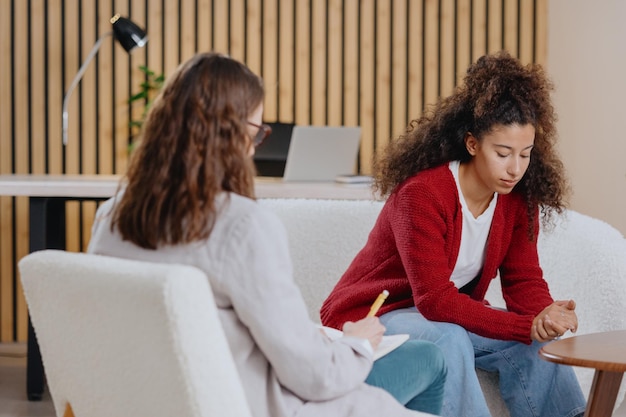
{"x": 128, "y": 338}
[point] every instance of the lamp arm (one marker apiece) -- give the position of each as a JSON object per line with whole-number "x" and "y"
{"x": 76, "y": 80}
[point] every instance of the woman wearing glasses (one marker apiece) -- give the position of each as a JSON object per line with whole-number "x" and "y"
{"x": 190, "y": 199}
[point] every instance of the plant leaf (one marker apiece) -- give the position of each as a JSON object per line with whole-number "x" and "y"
{"x": 138, "y": 96}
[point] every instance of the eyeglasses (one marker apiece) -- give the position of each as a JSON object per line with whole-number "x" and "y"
{"x": 262, "y": 134}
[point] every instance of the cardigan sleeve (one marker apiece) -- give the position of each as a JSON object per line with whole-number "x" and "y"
{"x": 427, "y": 238}
{"x": 269, "y": 304}
{"x": 523, "y": 287}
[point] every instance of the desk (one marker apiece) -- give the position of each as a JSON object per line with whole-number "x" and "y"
{"x": 47, "y": 197}
{"x": 606, "y": 353}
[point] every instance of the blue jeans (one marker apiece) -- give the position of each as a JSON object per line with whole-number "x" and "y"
{"x": 414, "y": 373}
{"x": 530, "y": 386}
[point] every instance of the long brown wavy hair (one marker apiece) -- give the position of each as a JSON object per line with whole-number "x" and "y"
{"x": 194, "y": 146}
{"x": 496, "y": 90}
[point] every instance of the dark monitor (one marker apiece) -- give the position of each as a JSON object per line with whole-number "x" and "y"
{"x": 270, "y": 158}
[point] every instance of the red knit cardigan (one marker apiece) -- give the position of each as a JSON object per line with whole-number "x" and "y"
{"x": 412, "y": 250}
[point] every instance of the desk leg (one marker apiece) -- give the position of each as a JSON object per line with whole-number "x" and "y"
{"x": 603, "y": 393}
{"x": 47, "y": 231}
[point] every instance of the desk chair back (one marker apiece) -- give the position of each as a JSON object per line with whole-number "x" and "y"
{"x": 128, "y": 338}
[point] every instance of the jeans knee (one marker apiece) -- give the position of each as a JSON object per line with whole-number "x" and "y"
{"x": 424, "y": 356}
{"x": 457, "y": 336}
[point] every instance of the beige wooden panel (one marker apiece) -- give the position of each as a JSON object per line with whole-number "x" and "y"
{"x": 303, "y": 62}
{"x": 170, "y": 37}
{"x": 351, "y": 66}
{"x": 416, "y": 69}
{"x": 6, "y": 267}
{"x": 238, "y": 29}
{"x": 463, "y": 30}
{"x": 495, "y": 40}
{"x": 368, "y": 84}
{"x": 88, "y": 86}
{"x": 188, "y": 30}
{"x": 510, "y": 27}
{"x": 6, "y": 210}
{"x": 319, "y": 86}
{"x": 447, "y": 69}
{"x": 286, "y": 62}
{"x": 270, "y": 51}
{"x": 5, "y": 88}
{"x": 399, "y": 87}
{"x": 105, "y": 97}
{"x": 22, "y": 249}
{"x": 334, "y": 97}
{"x": 541, "y": 32}
{"x": 22, "y": 135}
{"x": 220, "y": 25}
{"x": 479, "y": 29}
{"x": 431, "y": 52}
{"x": 205, "y": 19}
{"x": 38, "y": 85}
{"x": 88, "y": 215}
{"x": 383, "y": 76}
{"x": 254, "y": 36}
{"x": 155, "y": 45}
{"x": 526, "y": 30}
{"x": 55, "y": 87}
{"x": 72, "y": 65}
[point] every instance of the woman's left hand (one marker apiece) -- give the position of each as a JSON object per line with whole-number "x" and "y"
{"x": 554, "y": 321}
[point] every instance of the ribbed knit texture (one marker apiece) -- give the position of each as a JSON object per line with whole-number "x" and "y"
{"x": 412, "y": 250}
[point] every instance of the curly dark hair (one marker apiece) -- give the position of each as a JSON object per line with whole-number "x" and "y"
{"x": 497, "y": 91}
{"x": 193, "y": 146}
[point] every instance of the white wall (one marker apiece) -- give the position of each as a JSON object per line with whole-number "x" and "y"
{"x": 587, "y": 62}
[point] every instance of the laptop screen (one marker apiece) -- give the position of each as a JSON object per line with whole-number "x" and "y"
{"x": 321, "y": 153}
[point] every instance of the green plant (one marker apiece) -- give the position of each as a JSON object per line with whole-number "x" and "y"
{"x": 148, "y": 90}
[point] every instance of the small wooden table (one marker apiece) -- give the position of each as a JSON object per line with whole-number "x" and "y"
{"x": 606, "y": 353}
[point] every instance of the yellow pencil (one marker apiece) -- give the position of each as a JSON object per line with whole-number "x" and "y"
{"x": 379, "y": 302}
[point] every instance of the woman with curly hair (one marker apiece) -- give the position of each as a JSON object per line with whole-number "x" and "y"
{"x": 466, "y": 186}
{"x": 189, "y": 198}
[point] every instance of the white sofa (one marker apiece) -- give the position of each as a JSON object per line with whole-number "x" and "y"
{"x": 583, "y": 258}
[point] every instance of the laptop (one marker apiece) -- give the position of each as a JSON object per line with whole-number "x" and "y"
{"x": 321, "y": 153}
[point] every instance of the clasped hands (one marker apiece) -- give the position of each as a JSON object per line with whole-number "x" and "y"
{"x": 554, "y": 321}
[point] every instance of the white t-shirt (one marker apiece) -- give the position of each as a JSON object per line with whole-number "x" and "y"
{"x": 474, "y": 235}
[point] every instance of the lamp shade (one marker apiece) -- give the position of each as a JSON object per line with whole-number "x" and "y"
{"x": 127, "y": 33}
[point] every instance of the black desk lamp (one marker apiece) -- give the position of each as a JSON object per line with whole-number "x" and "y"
{"x": 127, "y": 33}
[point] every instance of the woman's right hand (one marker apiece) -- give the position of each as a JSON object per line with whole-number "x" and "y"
{"x": 369, "y": 328}
{"x": 554, "y": 321}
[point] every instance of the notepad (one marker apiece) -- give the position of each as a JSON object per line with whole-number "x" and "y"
{"x": 388, "y": 344}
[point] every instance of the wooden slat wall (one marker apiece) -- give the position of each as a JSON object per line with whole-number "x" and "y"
{"x": 373, "y": 63}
